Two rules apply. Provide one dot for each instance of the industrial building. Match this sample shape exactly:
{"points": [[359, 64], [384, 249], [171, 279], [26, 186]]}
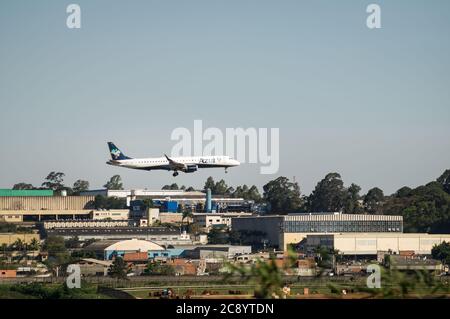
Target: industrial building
{"points": [[17, 209], [216, 251], [170, 200], [121, 248], [109, 249], [11, 238], [374, 243], [54, 224], [33, 203], [25, 192], [281, 230], [160, 235], [208, 221]]}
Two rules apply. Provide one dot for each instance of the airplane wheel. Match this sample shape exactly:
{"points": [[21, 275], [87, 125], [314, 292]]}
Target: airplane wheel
{"points": [[175, 174]]}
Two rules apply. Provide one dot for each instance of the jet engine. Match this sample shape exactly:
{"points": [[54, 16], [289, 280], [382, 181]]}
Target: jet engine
{"points": [[191, 168]]}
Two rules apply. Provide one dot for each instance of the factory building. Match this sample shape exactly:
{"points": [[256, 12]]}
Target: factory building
{"points": [[11, 238], [17, 209], [25, 192], [281, 230], [170, 200], [216, 251], [33, 203], [374, 243], [160, 235], [208, 221], [54, 224], [109, 249]]}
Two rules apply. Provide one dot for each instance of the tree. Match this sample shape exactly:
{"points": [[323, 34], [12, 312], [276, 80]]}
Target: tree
{"points": [[220, 188], [80, 186], [102, 202], [173, 186], [18, 244], [159, 268], [148, 203], [329, 195], [253, 194], [115, 183], [444, 180], [209, 184], [282, 195], [351, 202], [73, 242], [265, 275], [373, 201], [118, 268], [187, 214], [23, 186], [424, 209], [403, 192], [54, 181], [57, 251], [218, 236], [442, 252], [34, 244]]}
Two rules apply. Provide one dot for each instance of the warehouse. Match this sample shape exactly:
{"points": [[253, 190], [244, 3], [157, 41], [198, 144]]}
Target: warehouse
{"points": [[33, 203], [216, 251], [160, 235], [281, 230], [11, 238], [373, 243], [208, 221], [25, 192], [109, 249], [19, 216], [169, 200]]}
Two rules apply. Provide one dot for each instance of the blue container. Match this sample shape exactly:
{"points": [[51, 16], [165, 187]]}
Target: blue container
{"points": [[170, 206]]}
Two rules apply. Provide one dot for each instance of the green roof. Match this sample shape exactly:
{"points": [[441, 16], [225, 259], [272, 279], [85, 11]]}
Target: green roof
{"points": [[25, 192]]}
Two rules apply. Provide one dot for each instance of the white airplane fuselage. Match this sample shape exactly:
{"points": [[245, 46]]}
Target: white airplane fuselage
{"points": [[188, 163]]}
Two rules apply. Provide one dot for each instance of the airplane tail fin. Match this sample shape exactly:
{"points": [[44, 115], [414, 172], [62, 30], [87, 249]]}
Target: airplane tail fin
{"points": [[116, 154]]}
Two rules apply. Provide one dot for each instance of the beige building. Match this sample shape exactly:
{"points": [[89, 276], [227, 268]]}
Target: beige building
{"points": [[27, 203], [18, 216], [16, 209], [371, 243], [10, 238], [282, 230], [113, 214], [208, 221], [154, 216]]}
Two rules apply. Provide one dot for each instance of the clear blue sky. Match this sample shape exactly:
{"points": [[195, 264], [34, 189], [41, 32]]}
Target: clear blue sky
{"points": [[373, 105]]}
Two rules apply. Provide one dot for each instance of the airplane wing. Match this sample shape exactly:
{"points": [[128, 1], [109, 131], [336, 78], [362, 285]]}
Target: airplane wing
{"points": [[175, 165]]}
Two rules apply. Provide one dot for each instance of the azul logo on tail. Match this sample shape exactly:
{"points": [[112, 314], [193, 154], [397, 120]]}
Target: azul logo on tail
{"points": [[116, 154]]}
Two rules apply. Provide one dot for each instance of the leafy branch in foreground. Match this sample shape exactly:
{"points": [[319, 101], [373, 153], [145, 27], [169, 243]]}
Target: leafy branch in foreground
{"points": [[397, 284], [265, 275]]}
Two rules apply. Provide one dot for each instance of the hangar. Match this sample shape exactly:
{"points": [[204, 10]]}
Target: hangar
{"points": [[373, 243]]}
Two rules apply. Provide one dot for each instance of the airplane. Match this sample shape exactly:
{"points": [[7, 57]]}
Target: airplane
{"points": [[176, 164]]}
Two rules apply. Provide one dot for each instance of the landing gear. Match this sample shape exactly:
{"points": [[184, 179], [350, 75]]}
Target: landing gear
{"points": [[226, 170], [175, 174]]}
